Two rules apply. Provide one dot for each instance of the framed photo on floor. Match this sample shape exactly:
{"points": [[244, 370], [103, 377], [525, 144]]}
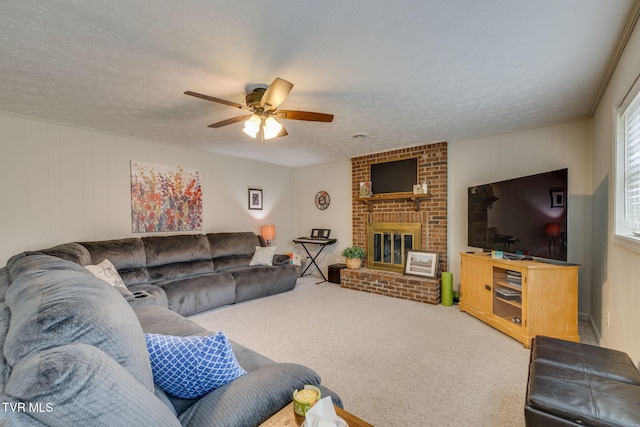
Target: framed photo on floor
{"points": [[255, 199], [419, 263]]}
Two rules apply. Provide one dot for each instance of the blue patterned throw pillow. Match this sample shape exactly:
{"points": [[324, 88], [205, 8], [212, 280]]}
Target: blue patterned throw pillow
{"points": [[190, 367]]}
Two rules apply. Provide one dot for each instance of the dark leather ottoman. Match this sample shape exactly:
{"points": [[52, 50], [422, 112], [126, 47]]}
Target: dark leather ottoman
{"points": [[573, 384]]}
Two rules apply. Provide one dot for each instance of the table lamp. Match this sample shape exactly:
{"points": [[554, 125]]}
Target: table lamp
{"points": [[268, 233]]}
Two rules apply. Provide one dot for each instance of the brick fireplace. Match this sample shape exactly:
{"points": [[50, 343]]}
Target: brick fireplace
{"points": [[431, 214]]}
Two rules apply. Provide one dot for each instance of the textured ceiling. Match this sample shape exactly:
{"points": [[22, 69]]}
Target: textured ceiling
{"points": [[404, 72]]}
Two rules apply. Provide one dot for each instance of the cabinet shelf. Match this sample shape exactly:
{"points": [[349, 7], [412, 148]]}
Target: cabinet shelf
{"points": [[416, 198], [510, 302], [506, 284]]}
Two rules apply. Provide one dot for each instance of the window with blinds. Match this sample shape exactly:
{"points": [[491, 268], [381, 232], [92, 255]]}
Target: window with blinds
{"points": [[631, 132], [627, 171]]}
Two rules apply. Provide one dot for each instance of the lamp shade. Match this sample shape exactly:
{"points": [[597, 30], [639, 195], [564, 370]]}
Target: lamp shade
{"points": [[268, 232], [271, 128], [252, 126], [552, 229]]}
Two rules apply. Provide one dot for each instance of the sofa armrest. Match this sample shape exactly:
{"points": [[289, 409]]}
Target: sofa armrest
{"points": [[251, 399], [281, 259], [147, 294]]}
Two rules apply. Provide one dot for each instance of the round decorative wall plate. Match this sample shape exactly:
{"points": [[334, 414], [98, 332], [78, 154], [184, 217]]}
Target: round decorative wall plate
{"points": [[322, 200]]}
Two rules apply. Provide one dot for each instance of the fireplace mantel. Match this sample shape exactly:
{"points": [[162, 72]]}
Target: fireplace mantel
{"points": [[416, 198]]}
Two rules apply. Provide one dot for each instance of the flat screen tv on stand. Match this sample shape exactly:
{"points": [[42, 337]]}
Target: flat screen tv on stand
{"points": [[524, 217]]}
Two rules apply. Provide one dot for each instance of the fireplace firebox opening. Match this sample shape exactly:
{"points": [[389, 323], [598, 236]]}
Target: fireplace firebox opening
{"points": [[388, 243]]}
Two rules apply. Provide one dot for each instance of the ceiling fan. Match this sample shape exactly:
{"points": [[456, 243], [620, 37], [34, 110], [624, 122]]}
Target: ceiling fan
{"points": [[263, 104]]}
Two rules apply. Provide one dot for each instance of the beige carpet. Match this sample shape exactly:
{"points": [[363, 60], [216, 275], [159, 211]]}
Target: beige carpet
{"points": [[393, 362]]}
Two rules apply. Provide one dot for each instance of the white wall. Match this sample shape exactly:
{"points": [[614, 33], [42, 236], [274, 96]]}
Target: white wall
{"points": [[335, 179], [511, 155], [616, 288], [62, 183]]}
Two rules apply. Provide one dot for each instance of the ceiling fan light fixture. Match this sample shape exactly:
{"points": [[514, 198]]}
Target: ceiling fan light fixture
{"points": [[262, 102], [252, 125], [271, 128]]}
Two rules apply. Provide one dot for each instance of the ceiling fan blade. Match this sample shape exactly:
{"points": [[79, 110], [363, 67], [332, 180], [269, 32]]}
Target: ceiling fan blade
{"points": [[275, 94], [229, 121], [282, 132], [218, 100], [304, 115]]}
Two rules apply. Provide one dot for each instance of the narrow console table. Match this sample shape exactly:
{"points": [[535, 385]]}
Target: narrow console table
{"points": [[303, 241], [521, 298]]}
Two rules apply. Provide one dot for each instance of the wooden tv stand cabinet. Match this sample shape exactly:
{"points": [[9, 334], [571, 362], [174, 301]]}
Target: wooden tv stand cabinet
{"points": [[521, 298]]}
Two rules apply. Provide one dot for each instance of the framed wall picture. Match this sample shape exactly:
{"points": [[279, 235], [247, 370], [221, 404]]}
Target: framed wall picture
{"points": [[255, 199], [165, 198], [418, 263]]}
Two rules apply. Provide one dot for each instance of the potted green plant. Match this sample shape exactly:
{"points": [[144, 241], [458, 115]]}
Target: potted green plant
{"points": [[353, 255]]}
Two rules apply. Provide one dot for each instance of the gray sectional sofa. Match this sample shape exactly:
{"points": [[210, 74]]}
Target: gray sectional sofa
{"points": [[188, 274], [73, 346]]}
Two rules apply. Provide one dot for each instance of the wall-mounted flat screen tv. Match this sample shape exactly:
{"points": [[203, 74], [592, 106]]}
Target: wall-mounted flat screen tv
{"points": [[526, 215], [398, 176]]}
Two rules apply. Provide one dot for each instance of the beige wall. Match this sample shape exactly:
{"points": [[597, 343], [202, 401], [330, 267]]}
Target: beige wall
{"points": [[616, 271], [62, 183], [335, 179], [511, 155]]}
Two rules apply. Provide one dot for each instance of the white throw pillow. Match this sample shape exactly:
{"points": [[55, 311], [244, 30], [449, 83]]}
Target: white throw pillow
{"points": [[107, 272], [263, 256]]}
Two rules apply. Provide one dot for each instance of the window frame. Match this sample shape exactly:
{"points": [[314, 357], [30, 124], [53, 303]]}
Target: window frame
{"points": [[623, 232]]}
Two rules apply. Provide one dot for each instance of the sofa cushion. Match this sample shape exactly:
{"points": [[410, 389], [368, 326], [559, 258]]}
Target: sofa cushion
{"points": [[232, 250], [79, 385], [177, 257], [162, 250], [222, 264], [127, 255], [55, 302], [200, 293], [261, 281], [232, 244], [179, 270], [263, 256], [189, 367]]}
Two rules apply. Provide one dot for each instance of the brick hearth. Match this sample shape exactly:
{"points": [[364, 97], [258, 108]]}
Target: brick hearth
{"points": [[392, 284]]}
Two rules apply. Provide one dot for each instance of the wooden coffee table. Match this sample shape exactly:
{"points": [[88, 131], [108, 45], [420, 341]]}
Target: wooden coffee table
{"points": [[286, 417]]}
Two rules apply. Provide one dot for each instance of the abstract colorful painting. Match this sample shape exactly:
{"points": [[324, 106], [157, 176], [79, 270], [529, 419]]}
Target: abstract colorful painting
{"points": [[165, 198]]}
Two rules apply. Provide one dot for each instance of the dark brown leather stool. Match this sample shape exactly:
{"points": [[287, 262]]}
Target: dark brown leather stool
{"points": [[579, 384]]}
